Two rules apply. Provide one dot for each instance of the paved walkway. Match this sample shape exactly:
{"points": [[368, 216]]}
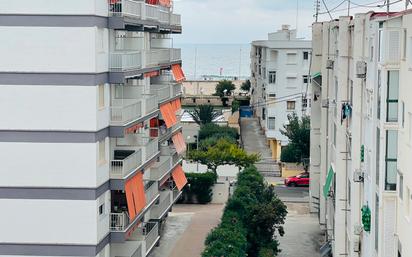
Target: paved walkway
{"points": [[186, 229], [254, 141]]}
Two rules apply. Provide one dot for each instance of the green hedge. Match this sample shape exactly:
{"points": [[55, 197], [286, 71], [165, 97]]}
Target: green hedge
{"points": [[198, 188], [289, 154], [249, 222], [214, 130]]}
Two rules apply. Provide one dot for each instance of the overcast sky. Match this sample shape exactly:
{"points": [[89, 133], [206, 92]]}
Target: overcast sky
{"points": [[242, 21]]}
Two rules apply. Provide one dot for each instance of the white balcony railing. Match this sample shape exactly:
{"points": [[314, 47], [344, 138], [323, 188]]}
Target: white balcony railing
{"points": [[175, 19], [176, 54], [119, 221], [158, 209], [177, 89], [151, 103], [124, 113], [158, 56], [159, 169], [122, 168], [123, 61], [164, 15], [152, 191], [152, 12], [148, 233], [163, 92]]}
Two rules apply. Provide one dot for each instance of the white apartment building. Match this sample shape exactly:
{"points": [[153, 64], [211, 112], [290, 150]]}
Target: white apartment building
{"points": [[280, 82], [89, 138], [360, 142]]}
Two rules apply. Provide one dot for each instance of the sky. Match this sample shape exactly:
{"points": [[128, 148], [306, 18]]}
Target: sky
{"points": [[242, 21]]}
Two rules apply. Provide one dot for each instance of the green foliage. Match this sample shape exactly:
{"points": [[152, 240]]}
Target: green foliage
{"points": [[214, 130], [223, 153], [250, 220], [246, 86], [212, 141], [298, 132], [289, 154], [235, 106], [204, 114], [199, 187], [224, 85]]}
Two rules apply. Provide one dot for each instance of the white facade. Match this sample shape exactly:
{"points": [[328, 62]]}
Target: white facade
{"points": [[280, 82], [82, 86], [363, 66]]}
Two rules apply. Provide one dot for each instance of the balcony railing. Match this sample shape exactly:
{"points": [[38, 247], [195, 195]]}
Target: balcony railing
{"points": [[121, 168], [152, 191], [127, 60], [158, 56], [177, 89], [159, 169], [176, 54], [164, 15], [166, 133], [149, 233], [119, 221], [163, 92], [175, 19], [151, 103], [158, 209], [176, 194], [125, 110]]}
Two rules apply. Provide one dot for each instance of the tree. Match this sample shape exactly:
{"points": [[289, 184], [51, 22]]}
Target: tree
{"points": [[204, 114], [235, 106], [298, 132], [223, 152], [246, 86], [224, 88]]}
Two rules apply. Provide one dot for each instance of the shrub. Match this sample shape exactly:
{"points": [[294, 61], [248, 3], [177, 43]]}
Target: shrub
{"points": [[289, 154], [199, 187], [211, 129], [235, 106]]}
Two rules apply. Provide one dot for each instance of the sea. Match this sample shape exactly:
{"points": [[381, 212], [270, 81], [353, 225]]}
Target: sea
{"points": [[215, 61]]}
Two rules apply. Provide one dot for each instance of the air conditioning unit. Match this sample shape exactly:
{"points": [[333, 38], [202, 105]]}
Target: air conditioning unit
{"points": [[329, 64], [358, 176], [361, 69]]}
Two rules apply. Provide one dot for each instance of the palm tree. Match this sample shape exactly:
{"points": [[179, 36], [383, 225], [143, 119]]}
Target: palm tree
{"points": [[204, 114]]}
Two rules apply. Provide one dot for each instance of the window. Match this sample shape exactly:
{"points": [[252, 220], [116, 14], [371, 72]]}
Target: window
{"points": [[272, 77], [378, 145], [101, 96], [376, 222], [291, 58], [392, 96], [391, 159], [102, 151], [306, 79], [401, 186], [271, 123], [305, 55], [101, 209], [290, 105]]}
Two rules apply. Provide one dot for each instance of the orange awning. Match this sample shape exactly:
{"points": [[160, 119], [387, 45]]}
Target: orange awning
{"points": [[178, 73], [179, 177], [168, 114], [179, 143], [151, 74], [135, 195], [166, 3]]}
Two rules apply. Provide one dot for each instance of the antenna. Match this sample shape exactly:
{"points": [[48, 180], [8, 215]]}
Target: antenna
{"points": [[348, 7], [317, 9]]}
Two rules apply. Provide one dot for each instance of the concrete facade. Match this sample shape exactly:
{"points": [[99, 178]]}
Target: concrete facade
{"points": [[81, 88], [280, 83], [360, 75]]}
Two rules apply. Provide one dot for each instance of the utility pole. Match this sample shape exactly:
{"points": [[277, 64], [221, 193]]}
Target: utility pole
{"points": [[317, 9]]}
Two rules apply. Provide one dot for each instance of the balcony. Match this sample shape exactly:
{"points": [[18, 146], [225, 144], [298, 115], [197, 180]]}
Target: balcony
{"points": [[159, 56], [125, 162], [138, 12], [124, 111], [166, 133], [125, 60], [148, 233], [151, 103], [151, 191], [159, 210], [161, 168]]}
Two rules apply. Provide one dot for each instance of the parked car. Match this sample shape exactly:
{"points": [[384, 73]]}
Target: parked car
{"points": [[302, 179]]}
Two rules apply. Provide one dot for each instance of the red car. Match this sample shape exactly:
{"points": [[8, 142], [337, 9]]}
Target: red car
{"points": [[299, 180]]}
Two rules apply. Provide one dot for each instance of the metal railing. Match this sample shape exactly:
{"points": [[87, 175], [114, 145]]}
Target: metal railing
{"points": [[122, 168], [177, 89], [158, 209], [161, 169], [119, 221], [176, 194], [126, 8], [152, 191], [157, 56], [151, 148], [176, 54], [152, 234], [126, 113], [164, 15], [152, 12], [125, 60]]}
